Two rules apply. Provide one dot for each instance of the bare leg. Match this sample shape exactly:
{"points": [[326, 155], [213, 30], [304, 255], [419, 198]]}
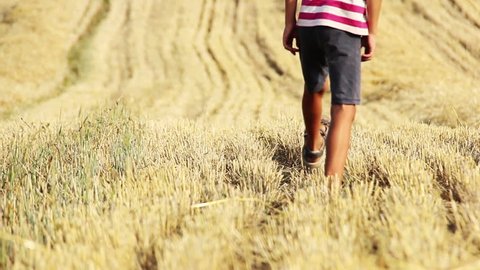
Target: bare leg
{"points": [[338, 139], [312, 116]]}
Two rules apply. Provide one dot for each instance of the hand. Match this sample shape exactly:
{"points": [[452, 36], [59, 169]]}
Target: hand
{"points": [[369, 43], [290, 34]]}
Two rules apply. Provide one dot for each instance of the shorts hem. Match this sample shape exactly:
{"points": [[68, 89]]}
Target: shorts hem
{"points": [[346, 102], [318, 88]]}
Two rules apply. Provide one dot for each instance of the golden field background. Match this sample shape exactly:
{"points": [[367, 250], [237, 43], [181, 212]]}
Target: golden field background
{"points": [[166, 134]]}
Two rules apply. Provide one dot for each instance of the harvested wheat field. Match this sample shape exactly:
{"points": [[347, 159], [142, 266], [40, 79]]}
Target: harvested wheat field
{"points": [[155, 134]]}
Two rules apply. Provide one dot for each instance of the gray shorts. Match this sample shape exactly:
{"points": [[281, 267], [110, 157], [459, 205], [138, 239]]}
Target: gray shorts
{"points": [[324, 51]]}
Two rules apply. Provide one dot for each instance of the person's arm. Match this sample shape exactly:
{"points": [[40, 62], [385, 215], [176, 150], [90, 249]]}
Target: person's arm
{"points": [[369, 42], [289, 34], [373, 12]]}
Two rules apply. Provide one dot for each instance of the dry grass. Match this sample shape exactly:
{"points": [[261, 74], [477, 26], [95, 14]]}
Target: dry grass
{"points": [[115, 192], [200, 168]]}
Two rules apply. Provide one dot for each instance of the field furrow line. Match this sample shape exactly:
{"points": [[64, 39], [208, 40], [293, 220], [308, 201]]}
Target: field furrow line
{"points": [[238, 78], [177, 34], [197, 78], [278, 87], [243, 93], [148, 65], [468, 10], [281, 69], [93, 17], [461, 58], [215, 74], [93, 14], [103, 69], [212, 50], [200, 37], [244, 34], [157, 17], [173, 98], [115, 62], [262, 77], [139, 73], [259, 95]]}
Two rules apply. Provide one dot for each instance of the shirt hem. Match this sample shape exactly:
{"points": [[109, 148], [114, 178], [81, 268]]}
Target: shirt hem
{"points": [[336, 25]]}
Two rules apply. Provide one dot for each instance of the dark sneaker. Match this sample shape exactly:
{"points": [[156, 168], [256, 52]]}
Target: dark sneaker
{"points": [[311, 159]]}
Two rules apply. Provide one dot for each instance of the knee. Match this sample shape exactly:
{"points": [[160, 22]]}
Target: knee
{"points": [[344, 107], [344, 111], [316, 91]]}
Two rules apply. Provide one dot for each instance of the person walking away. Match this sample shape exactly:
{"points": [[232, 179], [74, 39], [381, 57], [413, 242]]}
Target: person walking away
{"points": [[330, 35]]}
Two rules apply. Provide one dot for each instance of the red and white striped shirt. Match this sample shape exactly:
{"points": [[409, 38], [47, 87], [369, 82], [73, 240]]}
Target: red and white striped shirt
{"points": [[347, 15]]}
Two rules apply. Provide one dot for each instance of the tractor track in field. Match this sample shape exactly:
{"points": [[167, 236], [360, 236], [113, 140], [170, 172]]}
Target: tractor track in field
{"points": [[92, 15], [215, 60], [462, 56], [467, 13], [145, 52], [218, 72], [213, 51]]}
